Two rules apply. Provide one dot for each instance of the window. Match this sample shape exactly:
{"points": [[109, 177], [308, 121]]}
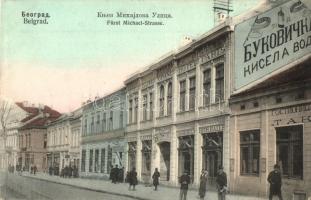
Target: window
{"points": [[45, 141], [96, 169], [85, 127], [104, 123], [219, 81], [102, 160], [278, 99], [136, 110], [98, 123], [91, 161], [144, 107], [182, 95], [121, 118], [207, 87], [242, 107], [161, 113], [256, 104], [151, 106], [250, 152], [130, 111], [169, 98], [192, 93], [111, 120], [83, 161], [290, 150], [92, 125], [109, 159]]}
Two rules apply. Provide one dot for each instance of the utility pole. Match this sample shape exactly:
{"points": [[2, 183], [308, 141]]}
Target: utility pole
{"points": [[222, 9]]}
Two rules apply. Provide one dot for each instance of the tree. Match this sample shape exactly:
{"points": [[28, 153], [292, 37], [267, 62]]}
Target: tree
{"points": [[5, 109]]}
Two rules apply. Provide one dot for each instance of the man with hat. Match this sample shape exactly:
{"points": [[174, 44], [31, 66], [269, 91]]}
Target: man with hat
{"points": [[221, 183], [275, 180], [184, 182]]}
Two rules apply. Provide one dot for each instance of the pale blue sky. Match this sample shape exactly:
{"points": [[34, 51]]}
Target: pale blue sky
{"points": [[75, 39]]}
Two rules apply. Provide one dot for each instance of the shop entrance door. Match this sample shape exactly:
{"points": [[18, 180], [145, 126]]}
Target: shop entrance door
{"points": [[165, 149]]}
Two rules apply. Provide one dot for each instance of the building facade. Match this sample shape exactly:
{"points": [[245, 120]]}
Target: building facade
{"points": [[102, 141], [33, 138], [63, 136], [270, 102], [271, 124], [178, 111]]}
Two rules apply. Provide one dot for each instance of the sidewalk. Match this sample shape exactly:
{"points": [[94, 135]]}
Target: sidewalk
{"points": [[142, 192]]}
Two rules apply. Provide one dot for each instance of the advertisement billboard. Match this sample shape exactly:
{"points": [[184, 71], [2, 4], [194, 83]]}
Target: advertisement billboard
{"points": [[271, 40]]}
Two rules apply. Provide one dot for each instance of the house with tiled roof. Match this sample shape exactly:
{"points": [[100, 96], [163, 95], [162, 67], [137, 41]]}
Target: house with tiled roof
{"points": [[33, 136]]}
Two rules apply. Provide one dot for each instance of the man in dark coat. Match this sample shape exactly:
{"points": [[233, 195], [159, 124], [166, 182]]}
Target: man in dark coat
{"points": [[203, 184], [155, 177], [133, 178], [184, 182], [114, 174], [221, 183], [275, 180]]}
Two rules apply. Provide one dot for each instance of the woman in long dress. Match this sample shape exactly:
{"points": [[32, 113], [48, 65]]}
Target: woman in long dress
{"points": [[155, 178]]}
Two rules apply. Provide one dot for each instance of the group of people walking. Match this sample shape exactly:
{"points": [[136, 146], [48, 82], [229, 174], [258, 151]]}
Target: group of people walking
{"points": [[117, 174]]}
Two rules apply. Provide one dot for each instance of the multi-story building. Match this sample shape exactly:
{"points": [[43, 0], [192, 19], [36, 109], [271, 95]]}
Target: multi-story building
{"points": [[178, 112], [33, 138], [102, 141], [63, 141], [16, 113], [270, 120], [19, 114]]}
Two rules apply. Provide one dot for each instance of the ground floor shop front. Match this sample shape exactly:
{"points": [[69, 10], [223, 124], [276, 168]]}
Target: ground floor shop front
{"points": [[27, 159], [268, 128], [98, 158], [174, 149], [58, 160]]}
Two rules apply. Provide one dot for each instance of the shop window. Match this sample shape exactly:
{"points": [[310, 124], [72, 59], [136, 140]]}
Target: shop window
{"points": [[102, 160], [83, 157], [109, 160], [130, 111], [96, 166], [169, 98], [144, 107], [192, 93], [250, 152], [289, 142], [219, 81], [207, 86], [182, 95], [161, 113], [186, 155], [146, 157], [91, 161]]}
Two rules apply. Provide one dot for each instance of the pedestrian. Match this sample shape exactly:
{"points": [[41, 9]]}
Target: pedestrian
{"points": [[275, 180], [133, 179], [31, 169], [121, 175], [114, 174], [127, 177], [203, 184], [155, 177], [34, 169], [184, 182], [221, 183], [70, 171]]}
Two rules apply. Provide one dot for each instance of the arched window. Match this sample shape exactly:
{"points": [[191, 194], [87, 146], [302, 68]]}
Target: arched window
{"points": [[161, 101], [169, 98]]}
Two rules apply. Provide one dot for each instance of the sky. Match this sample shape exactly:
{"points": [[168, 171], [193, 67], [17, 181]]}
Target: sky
{"points": [[78, 56]]}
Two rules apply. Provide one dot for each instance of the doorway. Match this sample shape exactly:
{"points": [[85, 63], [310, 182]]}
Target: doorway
{"points": [[165, 149], [212, 155]]}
